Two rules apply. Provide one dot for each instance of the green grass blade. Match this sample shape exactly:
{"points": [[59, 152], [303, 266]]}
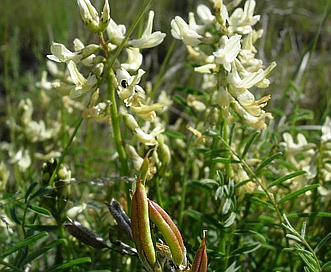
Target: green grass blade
{"points": [[297, 193], [69, 264], [24, 243], [39, 252], [322, 242]]}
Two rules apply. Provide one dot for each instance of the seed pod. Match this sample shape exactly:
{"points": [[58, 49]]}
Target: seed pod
{"points": [[85, 235], [121, 218], [140, 226], [200, 261], [169, 231]]}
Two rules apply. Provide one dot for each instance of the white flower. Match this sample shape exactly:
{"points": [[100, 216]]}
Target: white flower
{"points": [[205, 14], [257, 122], [242, 20], [149, 139], [301, 145], [81, 84], [228, 51], [62, 54], [148, 39], [136, 159], [243, 79], [134, 59], [91, 17], [44, 84], [116, 33], [182, 31], [326, 130], [206, 69], [128, 89]]}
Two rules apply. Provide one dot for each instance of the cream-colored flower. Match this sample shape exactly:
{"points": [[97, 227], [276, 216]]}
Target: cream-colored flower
{"points": [[326, 130], [228, 51], [134, 59], [91, 17], [182, 31], [242, 20], [115, 32], [81, 85], [128, 89], [149, 139], [148, 39]]}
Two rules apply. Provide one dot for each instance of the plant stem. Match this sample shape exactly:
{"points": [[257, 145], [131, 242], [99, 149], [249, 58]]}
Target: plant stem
{"points": [[124, 170]]}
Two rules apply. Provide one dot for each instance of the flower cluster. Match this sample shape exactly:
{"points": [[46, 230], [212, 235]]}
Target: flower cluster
{"points": [[312, 158], [222, 48], [125, 76], [29, 134]]}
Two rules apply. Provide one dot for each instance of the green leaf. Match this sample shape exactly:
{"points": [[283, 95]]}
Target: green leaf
{"points": [[246, 249], [311, 214], [230, 220], [40, 210], [174, 134], [225, 160], [249, 143], [24, 243], [14, 216], [190, 91], [44, 190], [327, 265], [47, 228], [29, 190], [42, 250], [182, 102], [262, 203], [297, 193], [287, 177], [69, 264], [322, 242], [267, 161]]}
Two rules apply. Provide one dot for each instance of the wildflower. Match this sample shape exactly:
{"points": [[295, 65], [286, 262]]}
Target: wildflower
{"points": [[128, 89], [134, 59], [242, 20], [205, 14], [148, 39], [116, 33], [62, 54], [95, 111], [4, 176], [143, 137], [228, 51], [81, 84], [326, 130], [91, 17], [182, 31]]}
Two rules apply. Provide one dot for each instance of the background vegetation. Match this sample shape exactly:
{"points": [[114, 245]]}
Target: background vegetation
{"points": [[297, 36]]}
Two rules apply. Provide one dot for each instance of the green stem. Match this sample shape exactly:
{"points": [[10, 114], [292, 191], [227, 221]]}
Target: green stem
{"points": [[65, 151], [116, 129]]}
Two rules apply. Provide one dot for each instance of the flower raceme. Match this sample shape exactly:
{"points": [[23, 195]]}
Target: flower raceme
{"points": [[222, 47]]}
